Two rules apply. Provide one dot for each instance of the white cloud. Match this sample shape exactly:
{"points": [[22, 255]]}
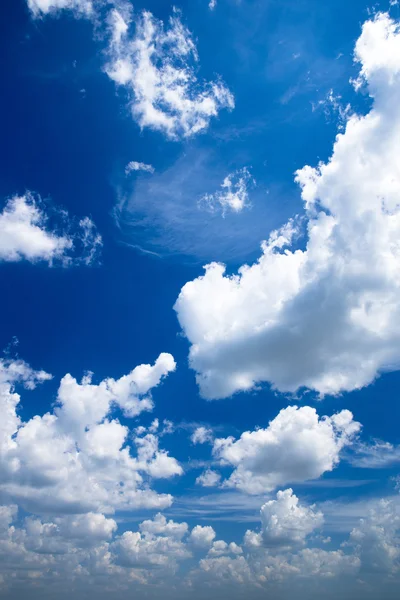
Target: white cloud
{"points": [[285, 522], [7, 516], [156, 65], [376, 455], [159, 543], [138, 166], [76, 459], [221, 548], [209, 478], [160, 526], [39, 7], [212, 4], [296, 446], [324, 317], [376, 539], [202, 537], [24, 235], [233, 194], [202, 435]]}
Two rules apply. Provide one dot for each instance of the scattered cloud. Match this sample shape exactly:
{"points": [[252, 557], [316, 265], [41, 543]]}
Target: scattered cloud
{"points": [[40, 7], [209, 478], [157, 67], [25, 234], [202, 537], [322, 317], [202, 435], [138, 166], [296, 446], [285, 522], [233, 194], [375, 455], [76, 458]]}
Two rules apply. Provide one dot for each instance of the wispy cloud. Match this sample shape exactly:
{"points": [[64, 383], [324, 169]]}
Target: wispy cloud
{"points": [[138, 166], [233, 194], [157, 67]]}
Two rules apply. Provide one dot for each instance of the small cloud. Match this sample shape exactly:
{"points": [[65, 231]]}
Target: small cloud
{"points": [[31, 231], [138, 166], [233, 194], [208, 478]]}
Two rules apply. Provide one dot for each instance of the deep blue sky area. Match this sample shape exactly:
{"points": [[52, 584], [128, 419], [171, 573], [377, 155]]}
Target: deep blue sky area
{"points": [[67, 134]]}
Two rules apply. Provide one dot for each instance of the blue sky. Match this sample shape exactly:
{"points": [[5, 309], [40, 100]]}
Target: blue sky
{"points": [[253, 407]]}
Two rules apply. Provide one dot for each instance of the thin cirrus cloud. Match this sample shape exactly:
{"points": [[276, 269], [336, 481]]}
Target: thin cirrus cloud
{"points": [[323, 317], [25, 234]]}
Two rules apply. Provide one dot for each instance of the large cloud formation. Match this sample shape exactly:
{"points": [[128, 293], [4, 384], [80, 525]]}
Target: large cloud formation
{"points": [[76, 459], [296, 446], [324, 317]]}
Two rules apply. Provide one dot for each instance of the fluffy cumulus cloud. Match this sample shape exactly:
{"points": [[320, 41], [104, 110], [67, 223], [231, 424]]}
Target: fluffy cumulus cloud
{"points": [[376, 539], [233, 195], [285, 522], [76, 458], [25, 234], [89, 549], [296, 446], [324, 317], [208, 478], [43, 7], [157, 66], [202, 435], [202, 537]]}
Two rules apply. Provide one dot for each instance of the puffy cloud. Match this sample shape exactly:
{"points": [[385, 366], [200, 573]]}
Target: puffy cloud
{"points": [[7, 516], [296, 446], [24, 235], [76, 459], [156, 65], [63, 534], [326, 316], [209, 478], [159, 543], [376, 539], [285, 522], [233, 194], [138, 166], [227, 570], [202, 435], [160, 526], [39, 7], [202, 537], [221, 548]]}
